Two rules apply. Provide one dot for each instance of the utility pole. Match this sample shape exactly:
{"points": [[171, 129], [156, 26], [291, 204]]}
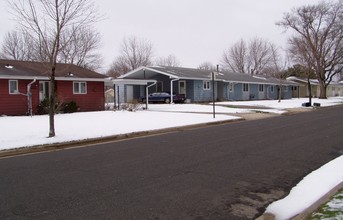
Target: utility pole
{"points": [[213, 98]]}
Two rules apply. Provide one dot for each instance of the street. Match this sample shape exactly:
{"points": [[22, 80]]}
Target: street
{"points": [[227, 171]]}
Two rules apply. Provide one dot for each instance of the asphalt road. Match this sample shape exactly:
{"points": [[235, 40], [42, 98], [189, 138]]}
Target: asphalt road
{"points": [[229, 171]]}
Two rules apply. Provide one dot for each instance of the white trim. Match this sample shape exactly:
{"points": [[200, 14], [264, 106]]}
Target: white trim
{"points": [[133, 81], [15, 92], [79, 87], [147, 68], [131, 72], [164, 73], [206, 85], [243, 87]]}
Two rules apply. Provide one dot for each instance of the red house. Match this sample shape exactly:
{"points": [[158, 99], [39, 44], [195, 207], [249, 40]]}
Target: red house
{"points": [[20, 80]]}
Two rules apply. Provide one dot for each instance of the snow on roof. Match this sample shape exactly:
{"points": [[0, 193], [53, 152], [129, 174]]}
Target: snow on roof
{"points": [[199, 74], [28, 70]]}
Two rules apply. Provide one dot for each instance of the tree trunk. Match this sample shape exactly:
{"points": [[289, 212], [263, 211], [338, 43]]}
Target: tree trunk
{"points": [[309, 88], [280, 91], [52, 104], [321, 81], [322, 87]]}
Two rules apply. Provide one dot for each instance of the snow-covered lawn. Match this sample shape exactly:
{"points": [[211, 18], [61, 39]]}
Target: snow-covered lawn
{"points": [[196, 108], [27, 131], [286, 104]]}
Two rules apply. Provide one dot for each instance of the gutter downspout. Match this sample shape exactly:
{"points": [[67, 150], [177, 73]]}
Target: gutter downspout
{"points": [[171, 90], [29, 96], [147, 94]]}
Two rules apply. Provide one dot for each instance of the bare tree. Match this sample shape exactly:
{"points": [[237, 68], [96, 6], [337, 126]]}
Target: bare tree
{"points": [[250, 58], [301, 54], [118, 67], [17, 45], [207, 66], [81, 48], [134, 53], [46, 21], [170, 60], [260, 55], [319, 30], [236, 58], [278, 68]]}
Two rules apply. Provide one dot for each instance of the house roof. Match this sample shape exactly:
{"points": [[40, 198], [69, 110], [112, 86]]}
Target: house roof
{"points": [[312, 81], [14, 69], [198, 74]]}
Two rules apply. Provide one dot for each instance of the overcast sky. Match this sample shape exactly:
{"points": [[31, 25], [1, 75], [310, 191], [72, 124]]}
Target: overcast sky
{"points": [[193, 30]]}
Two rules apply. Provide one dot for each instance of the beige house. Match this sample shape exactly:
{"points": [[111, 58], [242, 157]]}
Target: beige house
{"points": [[334, 89], [109, 96]]}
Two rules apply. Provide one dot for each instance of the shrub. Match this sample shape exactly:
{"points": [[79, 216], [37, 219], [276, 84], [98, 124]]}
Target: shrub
{"points": [[43, 107], [70, 107], [60, 107]]}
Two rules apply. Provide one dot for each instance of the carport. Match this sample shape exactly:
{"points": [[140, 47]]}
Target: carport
{"points": [[140, 82]]}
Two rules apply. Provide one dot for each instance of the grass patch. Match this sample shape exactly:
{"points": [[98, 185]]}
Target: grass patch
{"points": [[332, 210]]}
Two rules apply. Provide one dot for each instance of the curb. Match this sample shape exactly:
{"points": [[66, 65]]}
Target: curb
{"points": [[308, 211]]}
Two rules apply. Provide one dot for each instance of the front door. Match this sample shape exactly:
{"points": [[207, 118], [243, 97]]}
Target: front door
{"points": [[182, 87], [129, 94], [43, 90]]}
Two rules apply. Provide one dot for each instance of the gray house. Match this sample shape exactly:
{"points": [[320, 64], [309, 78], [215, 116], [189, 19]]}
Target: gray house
{"points": [[197, 85]]}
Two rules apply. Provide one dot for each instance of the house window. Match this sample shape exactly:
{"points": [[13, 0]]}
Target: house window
{"points": [[206, 85], [272, 89], [13, 87], [43, 90], [260, 88], [285, 88], [245, 87], [80, 87], [182, 87]]}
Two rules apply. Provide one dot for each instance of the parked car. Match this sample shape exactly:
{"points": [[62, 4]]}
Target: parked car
{"points": [[163, 97]]}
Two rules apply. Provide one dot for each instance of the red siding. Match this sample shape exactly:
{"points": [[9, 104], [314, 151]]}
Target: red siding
{"points": [[94, 100], [17, 104]]}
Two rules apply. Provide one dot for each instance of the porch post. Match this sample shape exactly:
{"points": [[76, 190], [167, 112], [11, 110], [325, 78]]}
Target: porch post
{"points": [[118, 97], [146, 97], [171, 90], [147, 93]]}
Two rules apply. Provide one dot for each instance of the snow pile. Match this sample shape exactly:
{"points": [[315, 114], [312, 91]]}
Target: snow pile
{"points": [[309, 190]]}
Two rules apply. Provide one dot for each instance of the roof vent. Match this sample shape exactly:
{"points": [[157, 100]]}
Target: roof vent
{"points": [[70, 74], [9, 66]]}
